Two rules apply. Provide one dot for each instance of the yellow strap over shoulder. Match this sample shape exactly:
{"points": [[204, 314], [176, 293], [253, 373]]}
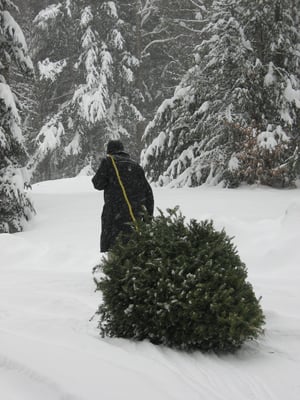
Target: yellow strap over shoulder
{"points": [[123, 190]]}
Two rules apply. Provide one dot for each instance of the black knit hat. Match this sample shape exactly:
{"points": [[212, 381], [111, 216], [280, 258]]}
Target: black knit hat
{"points": [[114, 146]]}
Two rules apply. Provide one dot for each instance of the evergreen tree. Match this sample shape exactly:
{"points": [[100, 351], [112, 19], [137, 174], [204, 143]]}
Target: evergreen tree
{"points": [[26, 89], [154, 49], [166, 33], [272, 157], [179, 285], [166, 39], [88, 77], [235, 115], [15, 206]]}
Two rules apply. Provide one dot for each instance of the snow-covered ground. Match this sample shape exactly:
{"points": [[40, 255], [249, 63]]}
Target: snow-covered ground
{"points": [[50, 351]]}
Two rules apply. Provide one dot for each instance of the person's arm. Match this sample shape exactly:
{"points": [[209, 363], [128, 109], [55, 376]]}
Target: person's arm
{"points": [[100, 179]]}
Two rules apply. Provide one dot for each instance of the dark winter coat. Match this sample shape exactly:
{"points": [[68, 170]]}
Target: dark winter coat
{"points": [[115, 214]]}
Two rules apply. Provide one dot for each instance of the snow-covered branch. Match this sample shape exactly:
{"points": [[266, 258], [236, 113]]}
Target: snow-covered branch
{"points": [[161, 41]]}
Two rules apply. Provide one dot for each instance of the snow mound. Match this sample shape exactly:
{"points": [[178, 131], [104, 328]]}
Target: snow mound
{"points": [[87, 171], [79, 184]]}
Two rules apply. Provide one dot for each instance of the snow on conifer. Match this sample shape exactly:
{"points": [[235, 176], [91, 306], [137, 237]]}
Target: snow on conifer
{"points": [[86, 82], [235, 115], [15, 206]]}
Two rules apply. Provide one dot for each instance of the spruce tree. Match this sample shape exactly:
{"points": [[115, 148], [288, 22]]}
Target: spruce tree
{"points": [[272, 158], [149, 43], [180, 285], [15, 206], [234, 116], [165, 37], [24, 86], [88, 76]]}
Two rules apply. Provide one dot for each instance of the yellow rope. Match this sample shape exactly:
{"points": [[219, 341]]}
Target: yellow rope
{"points": [[124, 191]]}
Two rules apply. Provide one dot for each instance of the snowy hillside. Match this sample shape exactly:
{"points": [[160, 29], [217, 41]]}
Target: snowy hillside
{"points": [[50, 351]]}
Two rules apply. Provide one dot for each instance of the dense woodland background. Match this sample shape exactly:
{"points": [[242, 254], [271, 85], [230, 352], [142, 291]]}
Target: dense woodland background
{"points": [[200, 91]]}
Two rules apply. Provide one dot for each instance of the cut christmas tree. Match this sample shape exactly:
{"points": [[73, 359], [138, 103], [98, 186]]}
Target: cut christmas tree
{"points": [[180, 285]]}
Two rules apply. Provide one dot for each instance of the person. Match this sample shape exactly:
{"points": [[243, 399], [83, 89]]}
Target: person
{"points": [[116, 215]]}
